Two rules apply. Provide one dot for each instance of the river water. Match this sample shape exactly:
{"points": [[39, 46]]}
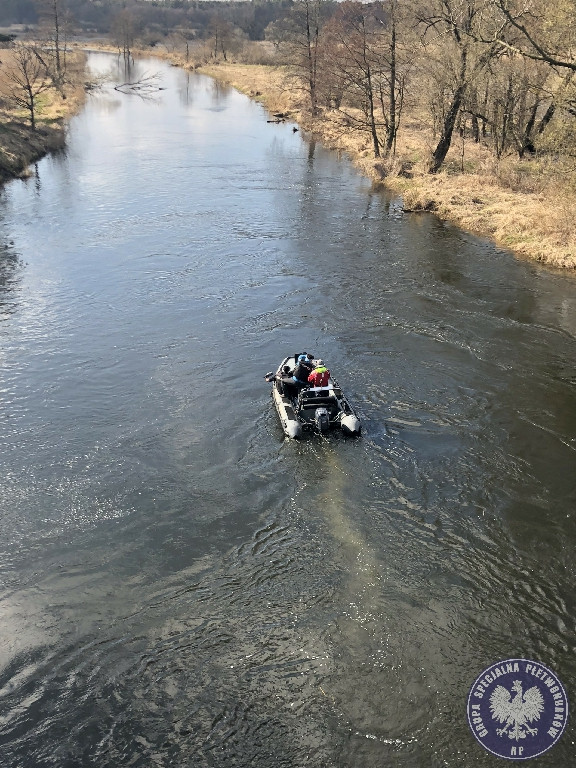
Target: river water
{"points": [[180, 585]]}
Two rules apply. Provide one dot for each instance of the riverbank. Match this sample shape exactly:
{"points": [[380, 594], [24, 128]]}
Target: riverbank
{"points": [[20, 146], [526, 206]]}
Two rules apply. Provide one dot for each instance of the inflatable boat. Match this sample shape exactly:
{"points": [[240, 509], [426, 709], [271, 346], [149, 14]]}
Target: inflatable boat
{"points": [[309, 408]]}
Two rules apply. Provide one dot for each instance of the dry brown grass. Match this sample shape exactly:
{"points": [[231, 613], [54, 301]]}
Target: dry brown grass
{"points": [[517, 203], [521, 205], [52, 105]]}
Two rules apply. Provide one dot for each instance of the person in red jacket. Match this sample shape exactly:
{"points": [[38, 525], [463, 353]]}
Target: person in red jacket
{"points": [[320, 375]]}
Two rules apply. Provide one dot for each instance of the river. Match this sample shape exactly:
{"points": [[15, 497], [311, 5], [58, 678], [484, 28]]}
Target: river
{"points": [[179, 584]]}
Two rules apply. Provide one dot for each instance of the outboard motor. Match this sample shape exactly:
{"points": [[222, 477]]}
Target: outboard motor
{"points": [[350, 425], [322, 419]]}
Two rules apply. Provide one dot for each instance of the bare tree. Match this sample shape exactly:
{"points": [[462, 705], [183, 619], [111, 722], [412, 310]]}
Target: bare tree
{"points": [[123, 30], [398, 57], [145, 87], [544, 34], [25, 79], [453, 27], [223, 37], [515, 103], [298, 35], [53, 30], [538, 30], [352, 52]]}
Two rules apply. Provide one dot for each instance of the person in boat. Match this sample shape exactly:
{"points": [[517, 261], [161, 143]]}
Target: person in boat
{"points": [[284, 379], [286, 383], [320, 375], [301, 372]]}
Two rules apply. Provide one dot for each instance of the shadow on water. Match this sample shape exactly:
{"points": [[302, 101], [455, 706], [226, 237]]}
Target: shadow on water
{"points": [[10, 279]]}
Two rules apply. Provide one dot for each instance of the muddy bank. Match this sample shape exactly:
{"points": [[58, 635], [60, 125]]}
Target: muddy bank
{"points": [[523, 206], [20, 146]]}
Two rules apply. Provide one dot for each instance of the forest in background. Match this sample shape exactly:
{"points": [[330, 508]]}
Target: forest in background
{"points": [[153, 20], [480, 89]]}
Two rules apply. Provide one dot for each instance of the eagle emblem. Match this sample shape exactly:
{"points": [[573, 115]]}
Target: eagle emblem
{"points": [[516, 712]]}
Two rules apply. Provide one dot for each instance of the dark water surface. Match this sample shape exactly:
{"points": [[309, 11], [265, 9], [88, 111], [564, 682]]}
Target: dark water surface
{"points": [[180, 586]]}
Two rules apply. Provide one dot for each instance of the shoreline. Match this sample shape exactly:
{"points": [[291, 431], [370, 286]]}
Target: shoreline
{"points": [[20, 146], [533, 224], [530, 222]]}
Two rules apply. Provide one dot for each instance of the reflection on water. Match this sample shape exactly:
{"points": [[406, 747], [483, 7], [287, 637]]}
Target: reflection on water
{"points": [[182, 586], [10, 266]]}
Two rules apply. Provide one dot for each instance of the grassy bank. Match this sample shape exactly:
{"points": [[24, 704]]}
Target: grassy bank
{"points": [[526, 206], [19, 144]]}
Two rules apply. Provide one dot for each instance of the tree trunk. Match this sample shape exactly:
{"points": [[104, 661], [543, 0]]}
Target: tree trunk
{"points": [[373, 131], [31, 109], [475, 129], [312, 45], [439, 154], [548, 115], [527, 141], [391, 138], [370, 96], [57, 39]]}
